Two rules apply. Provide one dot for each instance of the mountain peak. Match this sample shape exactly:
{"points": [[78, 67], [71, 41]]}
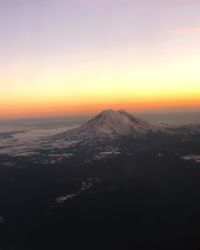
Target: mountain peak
{"points": [[111, 112], [122, 111], [107, 111], [111, 124]]}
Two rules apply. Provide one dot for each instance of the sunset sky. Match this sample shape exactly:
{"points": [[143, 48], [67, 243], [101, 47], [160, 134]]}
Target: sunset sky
{"points": [[80, 56]]}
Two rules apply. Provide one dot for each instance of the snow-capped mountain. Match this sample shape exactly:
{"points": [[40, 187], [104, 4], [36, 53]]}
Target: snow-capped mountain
{"points": [[109, 134], [110, 124]]}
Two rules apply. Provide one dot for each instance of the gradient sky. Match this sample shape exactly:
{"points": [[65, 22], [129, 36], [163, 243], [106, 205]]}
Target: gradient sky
{"points": [[80, 56]]}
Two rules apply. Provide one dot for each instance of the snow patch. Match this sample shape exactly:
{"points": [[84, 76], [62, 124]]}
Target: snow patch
{"points": [[62, 199], [86, 185], [195, 158], [106, 154]]}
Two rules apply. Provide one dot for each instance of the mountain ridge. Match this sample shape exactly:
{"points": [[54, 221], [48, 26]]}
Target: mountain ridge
{"points": [[111, 124]]}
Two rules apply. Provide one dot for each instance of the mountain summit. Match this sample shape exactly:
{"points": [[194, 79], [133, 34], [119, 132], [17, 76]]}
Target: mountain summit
{"points": [[110, 124]]}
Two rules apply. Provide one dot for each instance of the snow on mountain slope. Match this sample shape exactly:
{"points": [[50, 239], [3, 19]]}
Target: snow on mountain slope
{"points": [[110, 124]]}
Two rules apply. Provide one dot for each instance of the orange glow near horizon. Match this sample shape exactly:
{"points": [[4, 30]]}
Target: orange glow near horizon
{"points": [[36, 110], [87, 88]]}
